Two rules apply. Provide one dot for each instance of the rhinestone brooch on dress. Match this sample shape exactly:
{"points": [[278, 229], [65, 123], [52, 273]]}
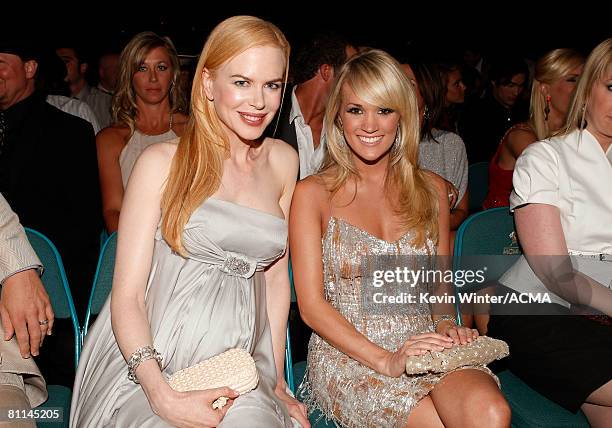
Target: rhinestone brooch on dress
{"points": [[236, 266]]}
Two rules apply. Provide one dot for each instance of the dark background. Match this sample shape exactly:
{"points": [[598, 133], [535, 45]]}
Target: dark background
{"points": [[435, 28]]}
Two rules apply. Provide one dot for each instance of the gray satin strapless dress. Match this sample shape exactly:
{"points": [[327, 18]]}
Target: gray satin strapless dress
{"points": [[198, 306]]}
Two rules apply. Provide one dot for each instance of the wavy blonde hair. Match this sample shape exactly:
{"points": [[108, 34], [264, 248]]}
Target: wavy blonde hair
{"points": [[551, 67], [378, 79], [197, 167], [124, 108], [596, 66]]}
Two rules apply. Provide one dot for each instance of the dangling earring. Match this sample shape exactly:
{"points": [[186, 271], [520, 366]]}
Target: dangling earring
{"points": [[395, 148], [426, 113], [547, 107]]}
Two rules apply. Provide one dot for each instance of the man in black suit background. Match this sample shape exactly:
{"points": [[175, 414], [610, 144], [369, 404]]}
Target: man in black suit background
{"points": [[49, 176]]}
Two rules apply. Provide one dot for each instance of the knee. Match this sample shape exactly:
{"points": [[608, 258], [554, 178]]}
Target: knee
{"points": [[491, 411]]}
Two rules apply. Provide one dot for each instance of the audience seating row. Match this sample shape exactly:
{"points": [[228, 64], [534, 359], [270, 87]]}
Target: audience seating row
{"points": [[489, 232]]}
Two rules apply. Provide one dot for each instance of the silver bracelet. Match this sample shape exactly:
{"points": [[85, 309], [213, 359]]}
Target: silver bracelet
{"points": [[444, 318], [138, 356]]}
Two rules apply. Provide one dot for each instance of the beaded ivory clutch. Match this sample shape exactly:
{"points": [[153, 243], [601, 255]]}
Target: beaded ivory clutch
{"points": [[480, 352], [234, 368]]}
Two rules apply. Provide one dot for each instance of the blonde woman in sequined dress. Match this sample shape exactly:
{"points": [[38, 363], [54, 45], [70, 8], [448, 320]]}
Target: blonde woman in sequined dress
{"points": [[369, 199]]}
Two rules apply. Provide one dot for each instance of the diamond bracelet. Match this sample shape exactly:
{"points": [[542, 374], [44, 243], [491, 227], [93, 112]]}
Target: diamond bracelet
{"points": [[138, 356], [444, 318]]}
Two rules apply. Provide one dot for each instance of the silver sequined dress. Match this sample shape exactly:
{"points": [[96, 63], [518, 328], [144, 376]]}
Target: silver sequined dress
{"points": [[346, 391]]}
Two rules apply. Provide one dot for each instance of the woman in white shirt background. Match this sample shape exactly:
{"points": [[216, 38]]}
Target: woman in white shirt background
{"points": [[562, 205]]}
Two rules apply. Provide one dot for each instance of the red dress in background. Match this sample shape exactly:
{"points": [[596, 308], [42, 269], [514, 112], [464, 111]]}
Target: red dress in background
{"points": [[500, 184], [500, 180]]}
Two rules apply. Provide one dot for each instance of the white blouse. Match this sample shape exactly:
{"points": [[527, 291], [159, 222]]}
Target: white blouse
{"points": [[573, 173]]}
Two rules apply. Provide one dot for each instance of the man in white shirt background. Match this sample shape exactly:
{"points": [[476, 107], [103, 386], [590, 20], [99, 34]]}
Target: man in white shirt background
{"points": [[300, 125], [76, 67]]}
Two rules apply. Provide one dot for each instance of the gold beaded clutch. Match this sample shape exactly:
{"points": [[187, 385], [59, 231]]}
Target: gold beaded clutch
{"points": [[234, 368], [479, 352]]}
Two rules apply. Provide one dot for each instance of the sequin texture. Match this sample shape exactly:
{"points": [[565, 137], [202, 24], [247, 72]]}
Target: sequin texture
{"points": [[344, 390]]}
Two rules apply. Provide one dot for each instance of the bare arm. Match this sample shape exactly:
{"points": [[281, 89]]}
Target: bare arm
{"points": [[109, 143], [137, 226], [541, 235], [459, 213], [517, 140], [278, 289], [306, 258], [134, 254]]}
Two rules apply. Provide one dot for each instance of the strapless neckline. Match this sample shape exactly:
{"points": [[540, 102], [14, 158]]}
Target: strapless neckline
{"points": [[338, 220], [239, 206]]}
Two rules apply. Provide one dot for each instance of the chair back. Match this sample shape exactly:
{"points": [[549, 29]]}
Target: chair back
{"points": [[288, 359], [103, 280], [56, 283], [487, 233], [487, 243]]}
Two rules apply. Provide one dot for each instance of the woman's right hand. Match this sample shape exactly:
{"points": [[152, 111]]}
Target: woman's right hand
{"points": [[394, 364], [193, 409]]}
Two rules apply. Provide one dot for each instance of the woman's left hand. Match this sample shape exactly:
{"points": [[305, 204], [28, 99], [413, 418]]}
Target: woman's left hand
{"points": [[460, 335], [296, 409]]}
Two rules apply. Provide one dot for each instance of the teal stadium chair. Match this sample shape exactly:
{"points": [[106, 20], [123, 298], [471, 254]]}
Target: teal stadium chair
{"points": [[478, 185], [103, 280], [56, 284], [491, 232]]}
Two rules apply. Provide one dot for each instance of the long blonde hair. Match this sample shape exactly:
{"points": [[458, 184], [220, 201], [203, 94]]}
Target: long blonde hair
{"points": [[597, 64], [551, 67], [197, 167], [124, 108], [378, 79]]}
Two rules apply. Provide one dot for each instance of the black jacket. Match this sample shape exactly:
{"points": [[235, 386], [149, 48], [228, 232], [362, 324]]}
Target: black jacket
{"points": [[49, 176]]}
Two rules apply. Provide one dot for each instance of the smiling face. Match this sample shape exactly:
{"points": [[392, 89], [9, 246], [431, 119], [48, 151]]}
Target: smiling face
{"points": [[16, 79], [246, 90], [369, 130], [153, 77]]}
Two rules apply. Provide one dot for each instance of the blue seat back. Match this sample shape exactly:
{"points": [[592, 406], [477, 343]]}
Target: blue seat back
{"points": [[103, 279], [288, 359], [487, 233], [56, 283]]}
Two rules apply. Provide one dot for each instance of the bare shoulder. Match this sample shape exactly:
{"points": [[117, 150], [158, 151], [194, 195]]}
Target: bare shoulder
{"points": [[158, 156], [115, 135], [521, 136], [280, 150], [282, 157], [435, 179], [312, 188], [518, 139]]}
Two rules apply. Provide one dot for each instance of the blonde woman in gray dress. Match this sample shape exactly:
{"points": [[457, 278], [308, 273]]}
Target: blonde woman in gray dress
{"points": [[371, 199], [146, 110]]}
